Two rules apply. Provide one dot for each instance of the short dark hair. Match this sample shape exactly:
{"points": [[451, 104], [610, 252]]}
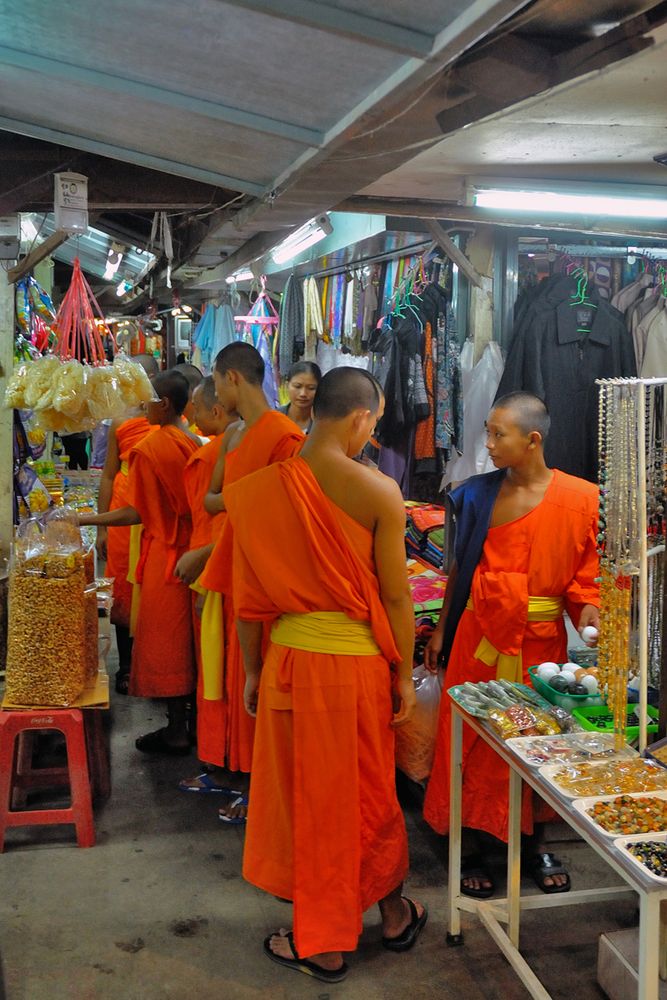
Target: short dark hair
{"points": [[173, 385], [343, 390], [207, 392], [193, 374], [530, 412], [242, 358], [305, 368]]}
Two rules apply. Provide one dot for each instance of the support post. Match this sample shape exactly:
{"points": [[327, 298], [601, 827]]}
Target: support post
{"points": [[6, 418], [447, 244]]}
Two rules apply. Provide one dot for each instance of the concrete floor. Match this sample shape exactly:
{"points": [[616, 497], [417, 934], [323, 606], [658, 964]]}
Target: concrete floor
{"points": [[158, 909]]}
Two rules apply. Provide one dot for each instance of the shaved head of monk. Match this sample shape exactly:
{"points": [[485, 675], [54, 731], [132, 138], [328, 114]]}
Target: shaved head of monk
{"points": [[239, 374], [174, 394], [344, 390], [515, 431], [209, 416], [193, 375], [528, 412], [148, 363], [242, 358], [348, 404]]}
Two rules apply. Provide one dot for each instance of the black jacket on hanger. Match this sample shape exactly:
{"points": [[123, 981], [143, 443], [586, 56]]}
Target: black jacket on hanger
{"points": [[549, 357]]}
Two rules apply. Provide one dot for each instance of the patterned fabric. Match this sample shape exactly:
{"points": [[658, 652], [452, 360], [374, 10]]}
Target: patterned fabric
{"points": [[291, 335], [312, 318], [425, 436], [449, 398]]}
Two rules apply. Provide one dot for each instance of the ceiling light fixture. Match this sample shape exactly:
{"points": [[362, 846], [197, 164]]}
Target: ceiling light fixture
{"points": [[243, 275], [123, 287], [574, 203], [305, 237], [114, 257]]}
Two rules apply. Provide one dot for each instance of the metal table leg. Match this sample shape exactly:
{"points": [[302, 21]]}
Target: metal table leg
{"points": [[649, 946], [514, 858], [455, 792]]}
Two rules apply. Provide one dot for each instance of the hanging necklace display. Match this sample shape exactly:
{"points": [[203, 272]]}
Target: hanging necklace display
{"points": [[631, 440]]}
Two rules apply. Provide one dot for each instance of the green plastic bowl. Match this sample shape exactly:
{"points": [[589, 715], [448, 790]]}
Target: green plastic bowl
{"points": [[567, 701]]}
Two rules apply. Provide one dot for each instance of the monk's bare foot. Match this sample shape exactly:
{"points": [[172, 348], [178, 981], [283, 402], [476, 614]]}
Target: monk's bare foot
{"points": [[548, 871], [393, 924], [281, 945], [236, 810], [475, 879]]}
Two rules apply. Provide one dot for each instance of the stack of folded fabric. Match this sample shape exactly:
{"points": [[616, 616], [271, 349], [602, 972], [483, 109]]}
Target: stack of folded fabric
{"points": [[428, 592], [424, 532]]}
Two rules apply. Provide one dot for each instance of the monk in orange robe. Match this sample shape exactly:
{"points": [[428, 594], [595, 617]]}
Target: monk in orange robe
{"points": [[265, 436], [210, 418], [162, 656], [342, 620], [114, 548], [523, 531], [194, 378]]}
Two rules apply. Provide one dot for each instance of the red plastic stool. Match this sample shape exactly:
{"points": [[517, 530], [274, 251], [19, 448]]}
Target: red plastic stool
{"points": [[17, 775]]}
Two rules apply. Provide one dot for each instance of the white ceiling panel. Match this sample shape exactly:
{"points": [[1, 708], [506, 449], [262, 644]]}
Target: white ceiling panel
{"points": [[606, 126], [139, 125], [206, 48]]}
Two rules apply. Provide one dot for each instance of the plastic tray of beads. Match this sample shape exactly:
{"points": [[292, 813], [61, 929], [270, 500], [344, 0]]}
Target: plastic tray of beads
{"points": [[584, 806], [569, 748], [613, 777], [624, 843]]}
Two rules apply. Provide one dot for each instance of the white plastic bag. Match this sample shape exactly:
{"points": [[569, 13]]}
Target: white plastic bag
{"points": [[415, 741], [479, 385]]}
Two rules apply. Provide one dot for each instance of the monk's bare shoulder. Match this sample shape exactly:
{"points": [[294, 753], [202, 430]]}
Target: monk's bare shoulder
{"points": [[379, 491]]}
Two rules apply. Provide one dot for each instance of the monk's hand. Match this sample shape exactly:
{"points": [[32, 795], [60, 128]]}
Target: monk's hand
{"points": [[101, 544], [404, 692], [250, 694], [590, 616], [190, 565], [433, 650]]}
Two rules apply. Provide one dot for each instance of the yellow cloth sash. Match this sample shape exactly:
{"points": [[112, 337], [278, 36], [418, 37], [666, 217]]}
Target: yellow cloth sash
{"points": [[325, 632], [125, 468], [135, 554], [212, 645], [510, 668]]}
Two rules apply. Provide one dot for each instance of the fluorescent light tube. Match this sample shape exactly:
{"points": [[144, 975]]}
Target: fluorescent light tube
{"points": [[302, 239], [245, 275], [552, 202]]}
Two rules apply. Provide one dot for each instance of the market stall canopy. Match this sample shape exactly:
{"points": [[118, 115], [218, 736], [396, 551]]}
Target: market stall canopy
{"points": [[604, 128], [288, 107], [246, 96]]}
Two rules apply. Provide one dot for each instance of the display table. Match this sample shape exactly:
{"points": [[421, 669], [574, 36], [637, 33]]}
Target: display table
{"points": [[501, 917]]}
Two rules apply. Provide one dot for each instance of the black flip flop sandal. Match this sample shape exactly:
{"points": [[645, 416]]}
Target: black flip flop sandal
{"points": [[156, 743], [303, 964], [543, 866], [122, 684], [407, 937], [474, 867]]}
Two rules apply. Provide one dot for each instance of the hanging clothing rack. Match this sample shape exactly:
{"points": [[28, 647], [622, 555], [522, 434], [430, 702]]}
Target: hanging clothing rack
{"points": [[416, 249]]}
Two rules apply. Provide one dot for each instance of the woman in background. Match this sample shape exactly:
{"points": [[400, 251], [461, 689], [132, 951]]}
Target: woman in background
{"points": [[303, 379]]}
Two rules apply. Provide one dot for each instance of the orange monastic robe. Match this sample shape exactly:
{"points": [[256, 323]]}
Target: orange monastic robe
{"points": [[162, 655], [211, 715], [549, 552], [128, 434], [324, 825], [272, 439]]}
